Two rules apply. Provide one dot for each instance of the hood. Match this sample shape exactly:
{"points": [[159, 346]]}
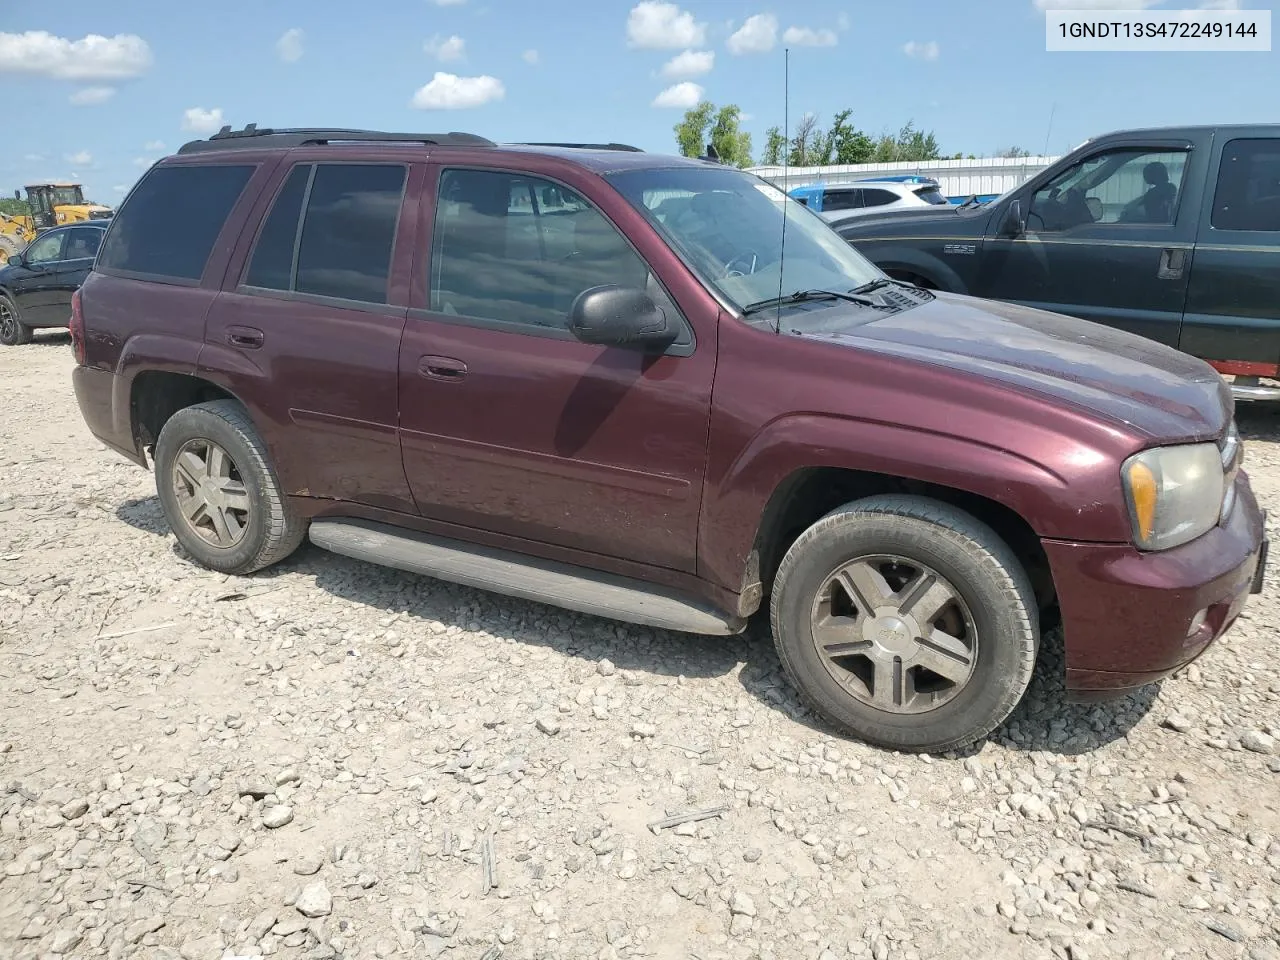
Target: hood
{"points": [[916, 216], [1162, 392]]}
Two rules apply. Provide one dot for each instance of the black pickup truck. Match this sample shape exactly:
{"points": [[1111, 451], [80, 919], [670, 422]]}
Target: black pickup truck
{"points": [[1170, 233]]}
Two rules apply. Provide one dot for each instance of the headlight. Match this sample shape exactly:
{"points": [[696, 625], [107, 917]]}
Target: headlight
{"points": [[1175, 493]]}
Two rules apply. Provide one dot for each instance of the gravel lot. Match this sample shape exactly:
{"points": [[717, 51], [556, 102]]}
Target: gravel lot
{"points": [[330, 759]]}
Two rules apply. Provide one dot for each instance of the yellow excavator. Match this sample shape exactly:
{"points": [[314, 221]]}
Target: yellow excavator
{"points": [[51, 205]]}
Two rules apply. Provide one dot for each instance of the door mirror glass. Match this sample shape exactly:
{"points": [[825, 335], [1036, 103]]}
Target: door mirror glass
{"points": [[619, 316], [1013, 224]]}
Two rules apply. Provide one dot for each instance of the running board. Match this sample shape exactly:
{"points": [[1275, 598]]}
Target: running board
{"points": [[543, 581]]}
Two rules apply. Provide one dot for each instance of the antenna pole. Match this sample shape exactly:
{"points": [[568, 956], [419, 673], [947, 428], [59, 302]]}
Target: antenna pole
{"points": [[1052, 109], [786, 150]]}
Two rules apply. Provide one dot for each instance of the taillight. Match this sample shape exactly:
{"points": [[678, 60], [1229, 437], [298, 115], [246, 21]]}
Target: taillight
{"points": [[77, 328]]}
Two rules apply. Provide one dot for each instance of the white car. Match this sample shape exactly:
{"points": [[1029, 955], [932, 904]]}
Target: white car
{"points": [[836, 201]]}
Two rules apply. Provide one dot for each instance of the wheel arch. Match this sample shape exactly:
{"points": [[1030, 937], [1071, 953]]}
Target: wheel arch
{"points": [[156, 395]]}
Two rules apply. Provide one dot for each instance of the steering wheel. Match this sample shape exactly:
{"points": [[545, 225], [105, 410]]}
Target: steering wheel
{"points": [[749, 259]]}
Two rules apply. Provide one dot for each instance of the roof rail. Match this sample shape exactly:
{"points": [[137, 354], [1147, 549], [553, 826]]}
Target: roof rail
{"points": [[255, 137], [625, 147]]}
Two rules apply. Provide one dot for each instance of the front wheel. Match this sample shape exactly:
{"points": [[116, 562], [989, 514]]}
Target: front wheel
{"points": [[219, 492], [13, 332], [906, 623]]}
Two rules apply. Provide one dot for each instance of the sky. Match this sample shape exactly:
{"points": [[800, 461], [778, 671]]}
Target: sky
{"points": [[97, 91]]}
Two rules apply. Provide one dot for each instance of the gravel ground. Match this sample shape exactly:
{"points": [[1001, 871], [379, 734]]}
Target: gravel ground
{"points": [[331, 759]]}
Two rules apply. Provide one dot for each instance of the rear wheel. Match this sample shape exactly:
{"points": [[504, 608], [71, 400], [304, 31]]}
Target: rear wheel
{"points": [[906, 623], [13, 331], [219, 492]]}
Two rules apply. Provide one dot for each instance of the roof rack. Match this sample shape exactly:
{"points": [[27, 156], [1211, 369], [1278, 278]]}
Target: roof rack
{"points": [[255, 137], [625, 147]]}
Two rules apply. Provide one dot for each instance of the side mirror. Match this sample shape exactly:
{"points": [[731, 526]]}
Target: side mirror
{"points": [[1014, 224], [14, 260], [620, 317]]}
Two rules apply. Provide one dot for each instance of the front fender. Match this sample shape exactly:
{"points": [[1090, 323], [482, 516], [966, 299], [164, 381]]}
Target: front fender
{"points": [[888, 256], [1048, 501]]}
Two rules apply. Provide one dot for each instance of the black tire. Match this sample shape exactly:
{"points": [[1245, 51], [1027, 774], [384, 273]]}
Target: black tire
{"points": [[979, 565], [13, 332], [272, 531]]}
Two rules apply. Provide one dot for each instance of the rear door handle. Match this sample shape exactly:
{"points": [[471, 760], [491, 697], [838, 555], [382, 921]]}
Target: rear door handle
{"points": [[442, 368], [250, 338], [1173, 261]]}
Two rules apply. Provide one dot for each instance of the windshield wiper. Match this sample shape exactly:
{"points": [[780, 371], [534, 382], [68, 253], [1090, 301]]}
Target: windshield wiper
{"points": [[800, 296], [873, 285]]}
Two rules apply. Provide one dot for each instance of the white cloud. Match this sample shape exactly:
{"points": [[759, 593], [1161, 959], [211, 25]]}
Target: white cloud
{"points": [[530, 57], [656, 25], [447, 91], [842, 21], [34, 157], [921, 49], [448, 49], [289, 46], [200, 120], [143, 162], [691, 63], [92, 96], [809, 37], [757, 35], [682, 96], [1220, 5], [1094, 4], [81, 159], [120, 188], [92, 57], [448, 3], [152, 146]]}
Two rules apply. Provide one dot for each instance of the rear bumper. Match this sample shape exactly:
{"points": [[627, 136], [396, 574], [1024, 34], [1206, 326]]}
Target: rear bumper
{"points": [[1132, 618], [94, 393]]}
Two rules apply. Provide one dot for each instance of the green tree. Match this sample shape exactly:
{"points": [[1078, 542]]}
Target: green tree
{"points": [[849, 144], [774, 145], [691, 132], [1013, 152], [14, 208], [733, 145], [910, 144]]}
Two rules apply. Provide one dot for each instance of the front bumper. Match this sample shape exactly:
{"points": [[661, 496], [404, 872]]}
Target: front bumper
{"points": [[1131, 618]]}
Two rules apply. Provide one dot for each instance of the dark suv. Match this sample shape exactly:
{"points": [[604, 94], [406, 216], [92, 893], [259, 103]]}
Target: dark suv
{"points": [[612, 381]]}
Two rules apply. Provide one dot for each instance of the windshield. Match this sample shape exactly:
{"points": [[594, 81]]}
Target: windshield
{"points": [[728, 226]]}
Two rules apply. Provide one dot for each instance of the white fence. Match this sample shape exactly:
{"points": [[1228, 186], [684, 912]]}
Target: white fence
{"points": [[958, 178]]}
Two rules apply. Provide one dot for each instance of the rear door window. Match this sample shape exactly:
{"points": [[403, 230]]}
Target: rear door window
{"points": [[83, 243], [931, 195], [169, 224], [1247, 196], [348, 228], [877, 198]]}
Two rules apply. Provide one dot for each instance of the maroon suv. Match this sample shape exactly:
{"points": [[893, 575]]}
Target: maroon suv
{"points": [[657, 390]]}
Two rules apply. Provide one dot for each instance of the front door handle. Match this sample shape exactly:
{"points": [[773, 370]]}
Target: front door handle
{"points": [[1173, 261], [248, 338], [442, 368]]}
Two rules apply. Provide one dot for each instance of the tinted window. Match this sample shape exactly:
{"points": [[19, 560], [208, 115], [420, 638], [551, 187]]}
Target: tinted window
{"points": [[500, 255], [349, 230], [83, 243], [840, 200], [1248, 192], [931, 195], [170, 222], [272, 264], [877, 198], [46, 249], [1117, 186]]}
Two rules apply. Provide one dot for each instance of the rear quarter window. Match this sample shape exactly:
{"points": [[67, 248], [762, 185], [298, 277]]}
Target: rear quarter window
{"points": [[169, 224]]}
